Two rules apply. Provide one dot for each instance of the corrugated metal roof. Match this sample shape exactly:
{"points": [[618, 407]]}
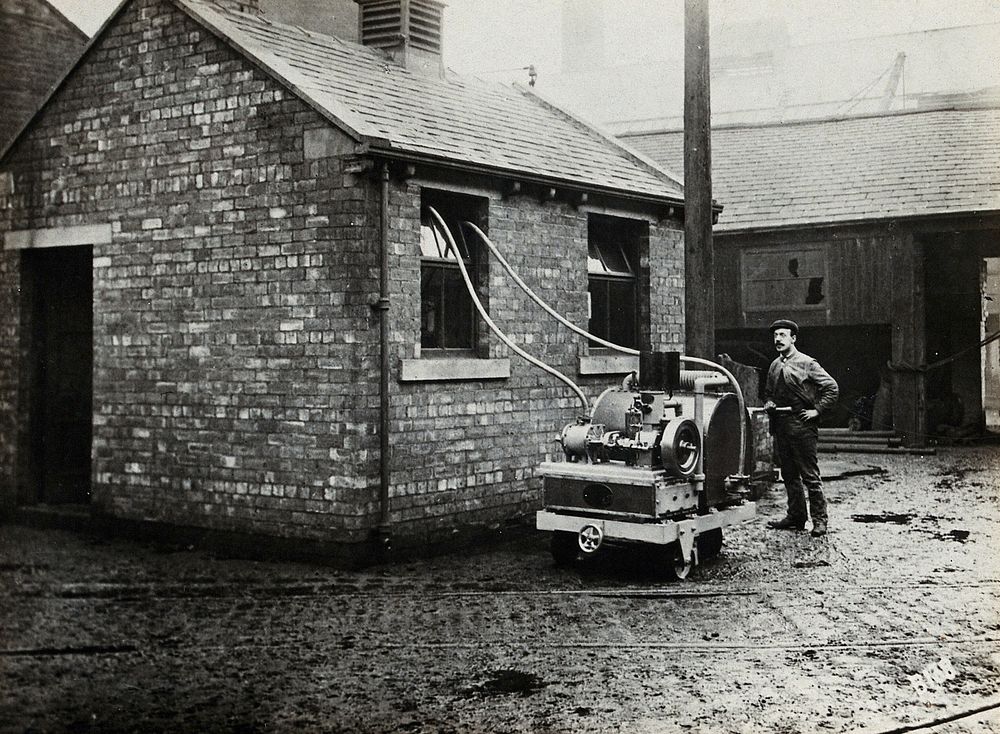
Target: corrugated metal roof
{"points": [[938, 162], [464, 120]]}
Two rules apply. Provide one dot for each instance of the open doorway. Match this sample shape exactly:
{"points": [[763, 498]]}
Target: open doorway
{"points": [[59, 299], [991, 352], [954, 327]]}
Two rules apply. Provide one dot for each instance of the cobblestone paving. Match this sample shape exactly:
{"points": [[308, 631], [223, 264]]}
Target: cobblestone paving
{"points": [[890, 622]]}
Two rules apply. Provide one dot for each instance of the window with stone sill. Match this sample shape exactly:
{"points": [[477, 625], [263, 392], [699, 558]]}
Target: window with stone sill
{"points": [[449, 324], [613, 280]]}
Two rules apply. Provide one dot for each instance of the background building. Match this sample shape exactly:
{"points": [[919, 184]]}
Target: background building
{"points": [[621, 63], [874, 233], [39, 45]]}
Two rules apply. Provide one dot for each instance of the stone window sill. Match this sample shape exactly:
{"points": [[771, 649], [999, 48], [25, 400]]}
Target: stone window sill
{"points": [[608, 364], [453, 369]]}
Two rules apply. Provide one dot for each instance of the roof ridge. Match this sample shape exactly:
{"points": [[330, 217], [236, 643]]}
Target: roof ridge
{"points": [[984, 107], [887, 167], [609, 137], [326, 41], [225, 10], [451, 120]]}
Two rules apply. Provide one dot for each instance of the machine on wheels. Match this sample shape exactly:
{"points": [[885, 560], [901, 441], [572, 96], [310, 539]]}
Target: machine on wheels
{"points": [[659, 463]]}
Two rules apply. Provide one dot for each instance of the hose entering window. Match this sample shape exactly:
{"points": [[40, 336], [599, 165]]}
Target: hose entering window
{"points": [[489, 321], [617, 347]]}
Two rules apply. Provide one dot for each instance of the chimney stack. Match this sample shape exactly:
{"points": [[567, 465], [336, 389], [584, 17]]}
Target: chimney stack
{"points": [[409, 30]]}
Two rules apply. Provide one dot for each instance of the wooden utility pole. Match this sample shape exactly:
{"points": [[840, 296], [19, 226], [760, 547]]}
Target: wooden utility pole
{"points": [[699, 257]]}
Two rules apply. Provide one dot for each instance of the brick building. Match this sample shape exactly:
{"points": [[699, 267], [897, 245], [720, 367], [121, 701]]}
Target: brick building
{"points": [[39, 45], [225, 307], [872, 233]]}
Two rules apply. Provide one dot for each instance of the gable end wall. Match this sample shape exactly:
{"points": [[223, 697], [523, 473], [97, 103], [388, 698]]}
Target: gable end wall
{"points": [[233, 382]]}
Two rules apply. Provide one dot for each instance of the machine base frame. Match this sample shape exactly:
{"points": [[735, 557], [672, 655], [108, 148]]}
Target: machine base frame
{"points": [[656, 532]]}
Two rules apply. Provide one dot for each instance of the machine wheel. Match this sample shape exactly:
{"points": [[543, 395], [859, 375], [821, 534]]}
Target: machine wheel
{"points": [[709, 543], [564, 547], [672, 564]]}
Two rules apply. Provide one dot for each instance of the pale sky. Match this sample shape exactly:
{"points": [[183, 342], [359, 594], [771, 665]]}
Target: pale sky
{"points": [[484, 33], [489, 36]]}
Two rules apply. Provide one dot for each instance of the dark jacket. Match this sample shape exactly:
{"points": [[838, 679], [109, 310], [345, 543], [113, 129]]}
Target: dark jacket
{"points": [[806, 379]]}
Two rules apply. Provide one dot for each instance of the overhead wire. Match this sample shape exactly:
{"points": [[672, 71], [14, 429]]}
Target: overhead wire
{"points": [[857, 96]]}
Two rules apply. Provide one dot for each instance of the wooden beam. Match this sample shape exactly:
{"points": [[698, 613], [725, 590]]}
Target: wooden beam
{"points": [[908, 340], [699, 258]]}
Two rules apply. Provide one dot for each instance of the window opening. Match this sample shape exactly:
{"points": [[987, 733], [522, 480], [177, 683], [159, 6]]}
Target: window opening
{"points": [[612, 258], [447, 314], [785, 280]]}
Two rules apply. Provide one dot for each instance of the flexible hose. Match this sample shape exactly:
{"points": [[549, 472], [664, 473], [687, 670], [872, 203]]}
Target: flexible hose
{"points": [[617, 347], [534, 297], [496, 329]]}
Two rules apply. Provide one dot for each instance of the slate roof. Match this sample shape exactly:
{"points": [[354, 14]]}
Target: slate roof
{"points": [[464, 120], [929, 163]]}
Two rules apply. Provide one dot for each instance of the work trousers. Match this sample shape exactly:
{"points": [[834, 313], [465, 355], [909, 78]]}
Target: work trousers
{"points": [[796, 441]]}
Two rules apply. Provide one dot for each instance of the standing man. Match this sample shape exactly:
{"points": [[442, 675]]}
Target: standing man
{"points": [[798, 390]]}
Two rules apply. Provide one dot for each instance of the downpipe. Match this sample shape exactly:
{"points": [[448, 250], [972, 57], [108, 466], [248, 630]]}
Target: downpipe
{"points": [[384, 530]]}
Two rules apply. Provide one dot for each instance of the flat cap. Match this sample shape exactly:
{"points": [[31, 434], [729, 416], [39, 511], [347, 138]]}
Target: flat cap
{"points": [[785, 324]]}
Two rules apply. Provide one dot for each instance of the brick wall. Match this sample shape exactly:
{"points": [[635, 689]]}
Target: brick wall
{"points": [[9, 377], [231, 308], [38, 47], [332, 17], [466, 452], [236, 350]]}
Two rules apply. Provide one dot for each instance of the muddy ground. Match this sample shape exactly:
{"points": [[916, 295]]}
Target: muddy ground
{"points": [[889, 623]]}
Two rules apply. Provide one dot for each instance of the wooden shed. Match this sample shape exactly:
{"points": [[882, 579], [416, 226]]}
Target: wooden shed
{"points": [[871, 232]]}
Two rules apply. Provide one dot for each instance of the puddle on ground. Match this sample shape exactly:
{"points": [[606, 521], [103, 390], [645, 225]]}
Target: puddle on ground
{"points": [[509, 682], [959, 536], [896, 518], [899, 518], [810, 564]]}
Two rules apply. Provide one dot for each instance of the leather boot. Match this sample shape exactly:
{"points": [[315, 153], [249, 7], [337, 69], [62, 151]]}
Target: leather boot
{"points": [[787, 523], [819, 528]]}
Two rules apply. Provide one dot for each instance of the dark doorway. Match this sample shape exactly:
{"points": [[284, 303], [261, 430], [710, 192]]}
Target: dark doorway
{"points": [[953, 286], [855, 356], [60, 297]]}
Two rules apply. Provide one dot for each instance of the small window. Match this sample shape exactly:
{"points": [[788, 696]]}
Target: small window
{"points": [[791, 282], [447, 315], [612, 267], [784, 279]]}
